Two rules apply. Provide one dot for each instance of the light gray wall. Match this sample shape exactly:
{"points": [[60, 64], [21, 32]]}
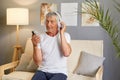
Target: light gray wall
{"points": [[7, 33]]}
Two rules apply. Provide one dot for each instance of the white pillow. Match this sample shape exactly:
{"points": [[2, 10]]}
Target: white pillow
{"points": [[24, 61], [32, 66], [88, 64]]}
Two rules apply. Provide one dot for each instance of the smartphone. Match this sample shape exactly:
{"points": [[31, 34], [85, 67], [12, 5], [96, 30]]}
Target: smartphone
{"points": [[34, 33]]}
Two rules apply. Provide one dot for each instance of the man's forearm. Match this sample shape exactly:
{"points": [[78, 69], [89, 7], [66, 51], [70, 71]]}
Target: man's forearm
{"points": [[66, 48], [37, 55]]}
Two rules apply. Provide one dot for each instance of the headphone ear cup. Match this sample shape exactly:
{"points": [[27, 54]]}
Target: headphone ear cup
{"points": [[59, 25], [59, 16], [59, 19]]}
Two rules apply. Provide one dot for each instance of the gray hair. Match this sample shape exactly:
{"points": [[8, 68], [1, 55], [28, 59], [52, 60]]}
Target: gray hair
{"points": [[53, 14]]}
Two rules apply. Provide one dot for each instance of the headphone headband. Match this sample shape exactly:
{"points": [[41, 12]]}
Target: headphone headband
{"points": [[60, 18]]}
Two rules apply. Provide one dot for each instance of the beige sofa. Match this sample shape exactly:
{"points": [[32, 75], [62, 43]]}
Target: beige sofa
{"points": [[92, 46]]}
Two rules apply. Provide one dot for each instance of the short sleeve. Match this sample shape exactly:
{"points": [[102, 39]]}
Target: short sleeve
{"points": [[41, 39], [68, 38]]}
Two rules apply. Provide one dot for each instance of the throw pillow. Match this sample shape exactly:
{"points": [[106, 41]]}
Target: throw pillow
{"points": [[32, 66], [88, 64], [24, 61]]}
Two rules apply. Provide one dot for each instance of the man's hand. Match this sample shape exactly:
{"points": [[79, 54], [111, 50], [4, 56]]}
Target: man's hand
{"points": [[35, 40], [37, 55], [66, 48], [63, 28]]}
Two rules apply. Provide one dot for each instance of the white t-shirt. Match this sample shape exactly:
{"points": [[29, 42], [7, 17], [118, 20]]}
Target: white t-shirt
{"points": [[53, 59]]}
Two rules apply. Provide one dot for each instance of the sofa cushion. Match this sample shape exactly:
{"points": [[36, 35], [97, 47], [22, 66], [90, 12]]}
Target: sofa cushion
{"points": [[79, 77], [18, 75], [94, 47], [29, 47], [88, 64], [24, 61], [32, 66]]}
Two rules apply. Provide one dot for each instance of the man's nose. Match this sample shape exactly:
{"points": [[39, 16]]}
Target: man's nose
{"points": [[49, 24]]}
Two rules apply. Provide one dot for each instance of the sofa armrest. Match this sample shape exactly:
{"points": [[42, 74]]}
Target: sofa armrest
{"points": [[99, 73], [7, 66]]}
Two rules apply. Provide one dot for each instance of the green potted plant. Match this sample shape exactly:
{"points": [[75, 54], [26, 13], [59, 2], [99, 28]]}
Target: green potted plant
{"points": [[105, 21]]}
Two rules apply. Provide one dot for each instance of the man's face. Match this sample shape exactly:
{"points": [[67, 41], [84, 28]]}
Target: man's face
{"points": [[51, 24]]}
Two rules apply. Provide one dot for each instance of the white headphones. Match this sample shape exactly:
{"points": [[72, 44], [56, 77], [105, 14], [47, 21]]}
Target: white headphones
{"points": [[59, 20]]}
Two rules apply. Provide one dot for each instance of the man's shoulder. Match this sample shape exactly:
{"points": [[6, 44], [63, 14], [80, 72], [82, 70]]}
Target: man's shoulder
{"points": [[68, 37]]}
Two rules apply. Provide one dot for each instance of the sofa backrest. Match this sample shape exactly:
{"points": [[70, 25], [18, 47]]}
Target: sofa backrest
{"points": [[94, 47]]}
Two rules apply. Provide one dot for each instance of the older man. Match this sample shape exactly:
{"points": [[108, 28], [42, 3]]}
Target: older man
{"points": [[51, 50]]}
